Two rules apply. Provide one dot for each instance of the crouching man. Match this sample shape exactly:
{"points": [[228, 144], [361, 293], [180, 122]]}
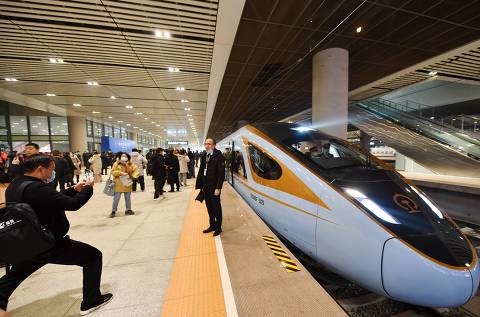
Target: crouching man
{"points": [[50, 207]]}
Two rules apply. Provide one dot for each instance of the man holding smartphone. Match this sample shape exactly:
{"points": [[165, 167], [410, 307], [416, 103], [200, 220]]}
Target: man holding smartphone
{"points": [[50, 206]]}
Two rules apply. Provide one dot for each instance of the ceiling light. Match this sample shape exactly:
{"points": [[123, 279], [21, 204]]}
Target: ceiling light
{"points": [[358, 29], [274, 108], [10, 79], [180, 88], [173, 69], [190, 119], [50, 95], [113, 97], [431, 118], [139, 113], [119, 121], [110, 117], [56, 60], [184, 100], [95, 112], [77, 105], [163, 34], [189, 115], [158, 125], [187, 109], [129, 106], [146, 118], [135, 127], [92, 83], [432, 73]]}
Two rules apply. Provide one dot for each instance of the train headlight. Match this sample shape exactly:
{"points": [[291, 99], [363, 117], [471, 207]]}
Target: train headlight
{"points": [[370, 205]]}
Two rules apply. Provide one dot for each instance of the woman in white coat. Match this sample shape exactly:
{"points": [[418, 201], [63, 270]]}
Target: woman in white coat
{"points": [[183, 160], [96, 166]]}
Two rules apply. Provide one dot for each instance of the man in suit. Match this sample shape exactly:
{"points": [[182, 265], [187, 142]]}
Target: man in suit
{"points": [[210, 180]]}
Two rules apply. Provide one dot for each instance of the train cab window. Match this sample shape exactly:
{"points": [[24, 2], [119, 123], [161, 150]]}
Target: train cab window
{"points": [[330, 154], [263, 165]]}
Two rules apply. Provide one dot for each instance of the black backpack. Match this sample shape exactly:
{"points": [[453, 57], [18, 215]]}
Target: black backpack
{"points": [[22, 237]]}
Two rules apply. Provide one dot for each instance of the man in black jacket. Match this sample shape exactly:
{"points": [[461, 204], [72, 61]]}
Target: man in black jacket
{"points": [[50, 207], [158, 173], [61, 168], [173, 167], [210, 180]]}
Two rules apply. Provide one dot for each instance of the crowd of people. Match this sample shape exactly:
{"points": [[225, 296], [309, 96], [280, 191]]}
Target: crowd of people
{"points": [[52, 183]]}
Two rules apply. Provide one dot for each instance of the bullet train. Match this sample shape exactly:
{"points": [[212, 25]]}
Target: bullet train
{"points": [[353, 214]]}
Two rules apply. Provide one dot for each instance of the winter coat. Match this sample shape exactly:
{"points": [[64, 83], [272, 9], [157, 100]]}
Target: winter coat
{"points": [[157, 163], [96, 164], [173, 167], [183, 160], [117, 170], [78, 165], [139, 161]]}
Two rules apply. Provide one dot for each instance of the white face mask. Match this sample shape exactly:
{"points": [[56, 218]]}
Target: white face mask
{"points": [[124, 159], [51, 178]]}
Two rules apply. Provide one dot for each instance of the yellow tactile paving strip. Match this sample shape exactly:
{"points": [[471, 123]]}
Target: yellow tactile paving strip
{"points": [[195, 287]]}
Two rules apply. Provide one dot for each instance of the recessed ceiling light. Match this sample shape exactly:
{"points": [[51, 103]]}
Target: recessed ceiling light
{"points": [[113, 97], [158, 125], [95, 112], [274, 108], [173, 69], [432, 73], [358, 29], [119, 121], [163, 34], [153, 121], [184, 100], [135, 127], [139, 113], [189, 115], [129, 106], [190, 119], [110, 117], [56, 60], [187, 109], [50, 94], [146, 118], [77, 105], [10, 79], [180, 88], [92, 83]]}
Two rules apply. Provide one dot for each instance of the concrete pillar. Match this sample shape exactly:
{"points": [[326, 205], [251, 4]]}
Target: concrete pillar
{"points": [[132, 136], [77, 133], [330, 91]]}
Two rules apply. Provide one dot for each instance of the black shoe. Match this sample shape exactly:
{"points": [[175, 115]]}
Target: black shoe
{"points": [[171, 191], [112, 214], [87, 309], [217, 232], [208, 230], [129, 213]]}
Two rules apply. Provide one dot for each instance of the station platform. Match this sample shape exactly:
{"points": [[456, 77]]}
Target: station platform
{"points": [[159, 263]]}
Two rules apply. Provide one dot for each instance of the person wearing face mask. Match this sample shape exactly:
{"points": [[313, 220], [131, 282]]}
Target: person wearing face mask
{"points": [[123, 173], [50, 207], [211, 175]]}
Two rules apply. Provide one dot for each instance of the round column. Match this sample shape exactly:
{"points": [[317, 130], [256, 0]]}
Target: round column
{"points": [[77, 133]]}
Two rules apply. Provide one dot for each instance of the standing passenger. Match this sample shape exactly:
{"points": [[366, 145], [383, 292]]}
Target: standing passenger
{"points": [[210, 180], [123, 171], [173, 167], [184, 161], [96, 166], [158, 173], [141, 163]]}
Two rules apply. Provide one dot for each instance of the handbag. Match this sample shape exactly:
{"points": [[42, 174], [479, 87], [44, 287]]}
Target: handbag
{"points": [[22, 236], [109, 189]]}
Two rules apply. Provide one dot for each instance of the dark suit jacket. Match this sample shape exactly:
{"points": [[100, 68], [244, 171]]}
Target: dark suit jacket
{"points": [[215, 172]]}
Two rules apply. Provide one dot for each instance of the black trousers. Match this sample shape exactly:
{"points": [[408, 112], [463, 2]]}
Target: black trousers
{"points": [[104, 170], [214, 208], [66, 252], [158, 184], [141, 181], [58, 181], [172, 185]]}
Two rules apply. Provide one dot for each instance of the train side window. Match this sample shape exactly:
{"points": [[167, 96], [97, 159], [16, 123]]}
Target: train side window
{"points": [[238, 164], [263, 165]]}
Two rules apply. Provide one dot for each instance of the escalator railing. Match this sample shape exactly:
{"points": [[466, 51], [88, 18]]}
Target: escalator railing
{"points": [[401, 115]]}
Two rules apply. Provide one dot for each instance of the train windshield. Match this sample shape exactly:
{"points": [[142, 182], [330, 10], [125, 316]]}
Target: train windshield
{"points": [[329, 153]]}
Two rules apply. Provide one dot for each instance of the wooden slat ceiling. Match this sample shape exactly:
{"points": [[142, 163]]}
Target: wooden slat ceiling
{"points": [[268, 76], [114, 44]]}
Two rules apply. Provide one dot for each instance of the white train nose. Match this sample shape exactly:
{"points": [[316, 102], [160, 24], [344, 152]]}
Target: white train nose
{"points": [[414, 278]]}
